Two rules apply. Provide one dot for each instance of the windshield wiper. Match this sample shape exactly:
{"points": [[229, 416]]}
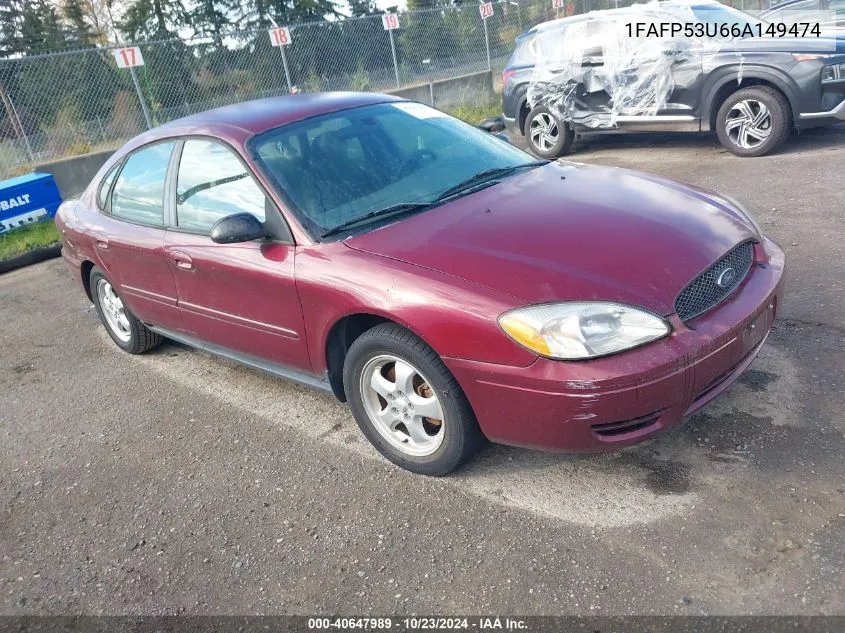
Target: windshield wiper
{"points": [[393, 209], [482, 176]]}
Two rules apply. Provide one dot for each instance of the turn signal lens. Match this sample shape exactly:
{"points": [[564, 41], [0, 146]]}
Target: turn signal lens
{"points": [[524, 333]]}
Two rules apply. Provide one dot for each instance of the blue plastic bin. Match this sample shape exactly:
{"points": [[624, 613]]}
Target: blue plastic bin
{"points": [[27, 199]]}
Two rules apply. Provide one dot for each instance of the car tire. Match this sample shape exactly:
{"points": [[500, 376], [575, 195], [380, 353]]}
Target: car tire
{"points": [[392, 417], [548, 137], [125, 330], [754, 121]]}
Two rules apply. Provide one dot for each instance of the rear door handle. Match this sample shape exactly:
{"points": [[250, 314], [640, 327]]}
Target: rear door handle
{"points": [[182, 260]]}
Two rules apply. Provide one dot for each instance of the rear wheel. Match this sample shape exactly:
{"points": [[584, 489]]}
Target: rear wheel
{"points": [[126, 331], [754, 121], [407, 403], [548, 137]]}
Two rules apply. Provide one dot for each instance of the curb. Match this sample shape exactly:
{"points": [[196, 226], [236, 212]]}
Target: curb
{"points": [[30, 257]]}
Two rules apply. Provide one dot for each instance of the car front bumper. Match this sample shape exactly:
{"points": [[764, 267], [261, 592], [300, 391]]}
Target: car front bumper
{"points": [[610, 402], [810, 119], [511, 125]]}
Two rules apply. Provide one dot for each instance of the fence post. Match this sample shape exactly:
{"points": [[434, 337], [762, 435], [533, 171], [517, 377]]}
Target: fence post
{"points": [[100, 126], [519, 15], [487, 44], [16, 121], [287, 72], [395, 63], [144, 107]]}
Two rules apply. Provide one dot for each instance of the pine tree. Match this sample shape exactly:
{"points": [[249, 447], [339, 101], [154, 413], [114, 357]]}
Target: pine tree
{"points": [[360, 8], [41, 28], [11, 19], [87, 20], [80, 30], [152, 19], [259, 12], [211, 17]]}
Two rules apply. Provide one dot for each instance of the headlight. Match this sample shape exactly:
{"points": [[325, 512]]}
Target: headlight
{"points": [[745, 213], [578, 330]]}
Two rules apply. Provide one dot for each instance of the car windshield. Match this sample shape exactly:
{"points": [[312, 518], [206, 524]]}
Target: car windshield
{"points": [[340, 167], [719, 14]]}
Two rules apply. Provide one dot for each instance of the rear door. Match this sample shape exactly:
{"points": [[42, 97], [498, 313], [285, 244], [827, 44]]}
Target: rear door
{"points": [[664, 75], [130, 236], [607, 71], [241, 297]]}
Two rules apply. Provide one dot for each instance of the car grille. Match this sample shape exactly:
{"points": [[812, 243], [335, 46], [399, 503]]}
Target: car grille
{"points": [[714, 284]]}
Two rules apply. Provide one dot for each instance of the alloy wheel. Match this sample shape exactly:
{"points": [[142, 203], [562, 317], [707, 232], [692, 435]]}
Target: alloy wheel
{"points": [[749, 123], [113, 311], [402, 405], [544, 132]]}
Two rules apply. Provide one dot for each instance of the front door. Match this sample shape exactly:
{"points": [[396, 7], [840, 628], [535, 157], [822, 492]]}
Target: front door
{"points": [[241, 297]]}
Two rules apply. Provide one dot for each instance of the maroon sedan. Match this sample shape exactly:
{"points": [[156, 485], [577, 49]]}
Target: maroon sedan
{"points": [[444, 283]]}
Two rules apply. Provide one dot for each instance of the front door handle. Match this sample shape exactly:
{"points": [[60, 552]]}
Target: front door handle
{"points": [[182, 260], [102, 244]]}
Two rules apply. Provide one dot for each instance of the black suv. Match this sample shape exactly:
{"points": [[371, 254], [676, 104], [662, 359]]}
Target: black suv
{"points": [[602, 72]]}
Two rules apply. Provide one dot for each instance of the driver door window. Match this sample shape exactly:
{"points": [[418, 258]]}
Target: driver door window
{"points": [[212, 184]]}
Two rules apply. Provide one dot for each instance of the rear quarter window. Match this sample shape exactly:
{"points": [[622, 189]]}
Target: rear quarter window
{"points": [[105, 186]]}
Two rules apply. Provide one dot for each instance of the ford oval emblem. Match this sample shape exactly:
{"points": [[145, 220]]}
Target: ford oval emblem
{"points": [[726, 278]]}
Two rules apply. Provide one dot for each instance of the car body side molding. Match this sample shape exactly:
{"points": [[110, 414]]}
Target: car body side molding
{"points": [[261, 364]]}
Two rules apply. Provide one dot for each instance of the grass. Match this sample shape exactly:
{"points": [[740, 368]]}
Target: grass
{"points": [[27, 237], [475, 114]]}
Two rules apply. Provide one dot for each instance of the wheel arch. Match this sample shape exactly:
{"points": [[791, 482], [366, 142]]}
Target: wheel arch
{"points": [[726, 83], [522, 114], [85, 270], [340, 337]]}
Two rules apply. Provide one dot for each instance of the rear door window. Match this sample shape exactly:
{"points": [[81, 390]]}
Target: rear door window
{"points": [[138, 194]]}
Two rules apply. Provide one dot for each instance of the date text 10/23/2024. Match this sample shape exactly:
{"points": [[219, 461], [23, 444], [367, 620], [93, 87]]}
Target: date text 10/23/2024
{"points": [[491, 623]]}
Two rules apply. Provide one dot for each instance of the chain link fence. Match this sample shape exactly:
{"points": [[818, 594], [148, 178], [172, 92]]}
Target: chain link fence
{"points": [[75, 102]]}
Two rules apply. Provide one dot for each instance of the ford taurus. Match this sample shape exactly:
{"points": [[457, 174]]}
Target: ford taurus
{"points": [[444, 283]]}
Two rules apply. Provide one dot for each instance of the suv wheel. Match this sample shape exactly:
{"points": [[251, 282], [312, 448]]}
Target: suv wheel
{"points": [[754, 121], [128, 332], [407, 403], [548, 137]]}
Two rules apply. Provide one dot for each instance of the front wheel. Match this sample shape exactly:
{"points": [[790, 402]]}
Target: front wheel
{"points": [[407, 403], [754, 121], [548, 137]]}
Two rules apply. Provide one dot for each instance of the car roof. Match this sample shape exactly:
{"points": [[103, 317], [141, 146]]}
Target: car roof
{"points": [[782, 5], [573, 19], [260, 115], [789, 3]]}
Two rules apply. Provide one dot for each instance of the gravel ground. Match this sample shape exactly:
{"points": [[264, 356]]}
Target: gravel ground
{"points": [[179, 483]]}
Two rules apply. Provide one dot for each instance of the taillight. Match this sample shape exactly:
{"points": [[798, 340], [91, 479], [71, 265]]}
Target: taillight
{"points": [[506, 75]]}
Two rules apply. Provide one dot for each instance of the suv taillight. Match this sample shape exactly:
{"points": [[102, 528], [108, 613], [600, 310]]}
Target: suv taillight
{"points": [[506, 75]]}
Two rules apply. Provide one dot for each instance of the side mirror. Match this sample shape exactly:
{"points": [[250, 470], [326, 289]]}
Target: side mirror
{"points": [[239, 227], [493, 124]]}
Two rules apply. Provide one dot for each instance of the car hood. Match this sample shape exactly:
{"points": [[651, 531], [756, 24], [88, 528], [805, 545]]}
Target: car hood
{"points": [[569, 231]]}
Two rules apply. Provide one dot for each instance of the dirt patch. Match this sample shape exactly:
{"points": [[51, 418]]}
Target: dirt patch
{"points": [[757, 380]]}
